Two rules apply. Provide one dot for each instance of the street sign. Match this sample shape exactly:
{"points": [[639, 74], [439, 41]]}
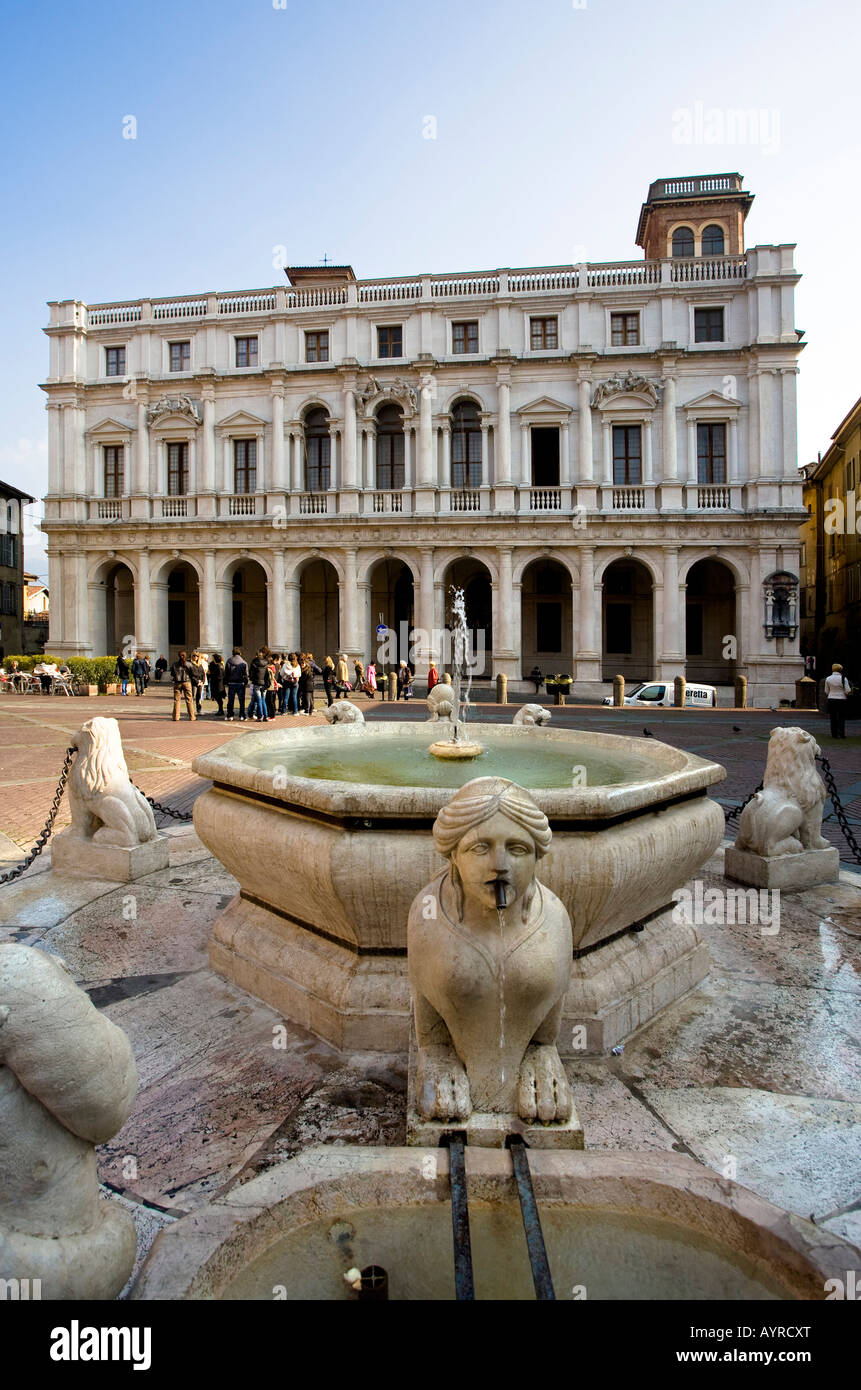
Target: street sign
{"points": [[382, 630]]}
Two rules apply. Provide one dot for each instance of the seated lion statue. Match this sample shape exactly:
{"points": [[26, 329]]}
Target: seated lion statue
{"points": [[440, 702], [532, 714], [786, 816], [105, 807], [343, 712]]}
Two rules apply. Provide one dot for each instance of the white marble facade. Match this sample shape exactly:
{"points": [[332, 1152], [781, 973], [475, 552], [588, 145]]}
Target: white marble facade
{"points": [[552, 532]]}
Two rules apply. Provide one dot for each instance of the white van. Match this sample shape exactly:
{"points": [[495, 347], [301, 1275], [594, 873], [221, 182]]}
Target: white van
{"points": [[663, 693]]}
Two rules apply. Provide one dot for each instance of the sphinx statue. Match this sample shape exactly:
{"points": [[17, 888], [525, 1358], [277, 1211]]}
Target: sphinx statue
{"points": [[489, 953], [67, 1082]]}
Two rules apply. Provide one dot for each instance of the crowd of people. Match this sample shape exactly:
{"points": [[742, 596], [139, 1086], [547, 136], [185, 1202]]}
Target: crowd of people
{"points": [[270, 684]]}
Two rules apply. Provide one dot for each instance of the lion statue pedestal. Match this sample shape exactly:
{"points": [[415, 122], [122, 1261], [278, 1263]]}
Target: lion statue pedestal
{"points": [[113, 834], [780, 843]]}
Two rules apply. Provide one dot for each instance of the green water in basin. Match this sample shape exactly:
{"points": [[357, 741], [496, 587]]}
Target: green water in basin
{"points": [[392, 762]]}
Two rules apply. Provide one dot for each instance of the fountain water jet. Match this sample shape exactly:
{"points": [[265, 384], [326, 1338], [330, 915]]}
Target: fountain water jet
{"points": [[458, 747]]}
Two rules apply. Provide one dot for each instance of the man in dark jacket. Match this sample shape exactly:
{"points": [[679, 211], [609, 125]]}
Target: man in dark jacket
{"points": [[236, 673], [181, 675], [216, 682], [139, 671]]}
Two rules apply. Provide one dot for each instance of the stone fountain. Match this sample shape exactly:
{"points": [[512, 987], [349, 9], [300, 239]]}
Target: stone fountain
{"points": [[459, 747]]}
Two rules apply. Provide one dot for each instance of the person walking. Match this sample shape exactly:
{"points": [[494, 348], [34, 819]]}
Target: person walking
{"points": [[216, 682], [273, 689], [837, 691], [203, 663], [236, 673], [182, 687], [359, 684], [294, 671], [329, 680], [123, 672], [342, 676], [259, 676], [404, 679], [433, 677], [139, 673], [160, 668], [371, 678]]}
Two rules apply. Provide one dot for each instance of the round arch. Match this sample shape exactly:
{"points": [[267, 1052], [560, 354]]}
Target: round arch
{"points": [[611, 557], [392, 584], [111, 588], [736, 565], [293, 574], [546, 615], [711, 621], [628, 619], [526, 558], [176, 583], [319, 630], [476, 577]]}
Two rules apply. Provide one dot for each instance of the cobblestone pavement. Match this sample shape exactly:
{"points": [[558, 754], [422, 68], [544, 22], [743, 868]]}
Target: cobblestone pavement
{"points": [[34, 733]]}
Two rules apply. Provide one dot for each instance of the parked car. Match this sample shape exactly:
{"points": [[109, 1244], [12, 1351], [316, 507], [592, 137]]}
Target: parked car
{"points": [[663, 693]]}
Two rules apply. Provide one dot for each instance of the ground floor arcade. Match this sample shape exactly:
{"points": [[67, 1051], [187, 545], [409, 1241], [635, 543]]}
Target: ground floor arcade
{"points": [[651, 611]]}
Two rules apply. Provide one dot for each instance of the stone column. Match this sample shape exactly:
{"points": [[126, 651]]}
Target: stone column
{"points": [[587, 605], [143, 605], [426, 470], [446, 453], [692, 450], [293, 609], [673, 634], [350, 472], [647, 451], [425, 605], [669, 464], [55, 448], [607, 441], [525, 461], [503, 442], [142, 485], [565, 454], [210, 638], [279, 472], [371, 458], [347, 602], [208, 469], [586, 470], [503, 646], [298, 462], [277, 636]]}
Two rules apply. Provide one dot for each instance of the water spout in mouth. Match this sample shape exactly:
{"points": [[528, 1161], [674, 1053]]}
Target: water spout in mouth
{"points": [[501, 888]]}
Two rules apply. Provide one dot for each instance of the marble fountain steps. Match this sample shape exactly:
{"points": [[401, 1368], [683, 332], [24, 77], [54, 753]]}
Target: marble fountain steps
{"points": [[760, 1063]]}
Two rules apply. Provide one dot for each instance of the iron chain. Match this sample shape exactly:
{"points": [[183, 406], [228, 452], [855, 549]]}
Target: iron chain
{"points": [[49, 823], [730, 814], [165, 810], [839, 812]]}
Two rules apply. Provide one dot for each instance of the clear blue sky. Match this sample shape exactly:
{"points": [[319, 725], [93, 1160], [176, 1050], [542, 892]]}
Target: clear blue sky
{"points": [[303, 126]]}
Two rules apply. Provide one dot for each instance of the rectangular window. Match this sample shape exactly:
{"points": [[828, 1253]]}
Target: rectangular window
{"points": [[244, 465], [390, 461], [317, 346], [390, 341], [548, 627], [624, 330], [10, 604], [177, 469], [317, 461], [619, 629], [464, 336], [246, 352], [114, 470], [694, 629], [7, 551], [543, 333], [115, 361], [180, 357], [708, 326], [627, 456], [711, 455]]}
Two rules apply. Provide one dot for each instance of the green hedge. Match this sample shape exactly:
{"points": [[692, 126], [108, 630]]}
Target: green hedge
{"points": [[89, 670]]}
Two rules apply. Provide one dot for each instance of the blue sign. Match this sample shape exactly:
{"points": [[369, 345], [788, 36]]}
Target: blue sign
{"points": [[382, 630]]}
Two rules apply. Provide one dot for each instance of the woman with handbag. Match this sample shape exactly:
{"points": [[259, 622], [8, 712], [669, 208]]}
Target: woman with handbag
{"points": [[837, 691]]}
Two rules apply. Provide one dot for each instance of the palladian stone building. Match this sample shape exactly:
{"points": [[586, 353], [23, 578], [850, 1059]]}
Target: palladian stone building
{"points": [[602, 455]]}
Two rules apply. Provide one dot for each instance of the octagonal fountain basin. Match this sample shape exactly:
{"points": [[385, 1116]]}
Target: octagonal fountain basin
{"points": [[328, 831], [616, 1226]]}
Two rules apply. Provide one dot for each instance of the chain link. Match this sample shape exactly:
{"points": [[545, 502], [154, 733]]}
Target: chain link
{"points": [[165, 810], [49, 823], [839, 812], [730, 814]]}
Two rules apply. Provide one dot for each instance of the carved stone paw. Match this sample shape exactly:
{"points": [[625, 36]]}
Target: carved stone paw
{"points": [[442, 1086], [543, 1092]]}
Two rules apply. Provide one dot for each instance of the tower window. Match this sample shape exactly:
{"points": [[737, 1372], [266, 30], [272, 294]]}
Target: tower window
{"points": [[683, 242], [713, 242]]}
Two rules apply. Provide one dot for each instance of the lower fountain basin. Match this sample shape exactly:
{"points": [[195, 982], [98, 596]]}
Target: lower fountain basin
{"points": [[328, 831], [616, 1225]]}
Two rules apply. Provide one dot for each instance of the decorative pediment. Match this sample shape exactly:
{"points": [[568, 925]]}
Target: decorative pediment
{"points": [[241, 421], [626, 391], [182, 407], [709, 402], [545, 405], [372, 393], [109, 428]]}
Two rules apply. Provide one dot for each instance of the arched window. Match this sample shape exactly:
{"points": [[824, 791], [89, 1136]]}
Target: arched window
{"points": [[317, 451], [713, 240], [683, 242], [465, 446], [390, 448]]}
